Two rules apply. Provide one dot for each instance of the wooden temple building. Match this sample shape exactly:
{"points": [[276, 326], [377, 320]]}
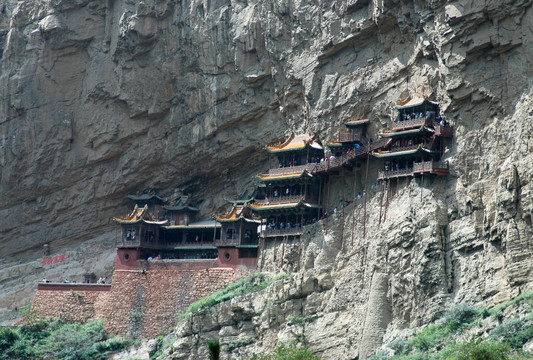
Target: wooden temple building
{"points": [[292, 192], [173, 236], [414, 144], [351, 139], [238, 241]]}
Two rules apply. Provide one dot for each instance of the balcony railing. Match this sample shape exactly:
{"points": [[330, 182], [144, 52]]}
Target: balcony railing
{"points": [[350, 136], [227, 242], [292, 169], [387, 174], [433, 167], [159, 244], [441, 130], [406, 124], [281, 232], [286, 200]]}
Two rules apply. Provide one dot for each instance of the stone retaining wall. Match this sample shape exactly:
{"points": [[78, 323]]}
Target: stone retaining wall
{"points": [[140, 304], [69, 304]]}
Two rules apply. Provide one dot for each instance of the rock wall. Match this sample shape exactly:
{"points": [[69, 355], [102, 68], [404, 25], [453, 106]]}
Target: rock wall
{"points": [[101, 99]]}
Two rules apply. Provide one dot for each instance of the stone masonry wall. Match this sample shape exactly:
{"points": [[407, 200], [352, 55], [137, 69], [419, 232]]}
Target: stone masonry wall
{"points": [[68, 304], [140, 304], [147, 304]]}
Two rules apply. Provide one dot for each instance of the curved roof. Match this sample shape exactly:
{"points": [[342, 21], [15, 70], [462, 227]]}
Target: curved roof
{"points": [[235, 214], [334, 143], [139, 215], [268, 177], [415, 102], [390, 134], [262, 207], [356, 122], [180, 207], [206, 224], [391, 154], [299, 142], [144, 197]]}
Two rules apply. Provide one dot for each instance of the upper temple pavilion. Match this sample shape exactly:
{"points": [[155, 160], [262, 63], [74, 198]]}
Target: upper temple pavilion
{"points": [[292, 193], [415, 142]]}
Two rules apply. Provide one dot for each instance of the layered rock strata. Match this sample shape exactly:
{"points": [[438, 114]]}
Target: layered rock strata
{"points": [[101, 99]]}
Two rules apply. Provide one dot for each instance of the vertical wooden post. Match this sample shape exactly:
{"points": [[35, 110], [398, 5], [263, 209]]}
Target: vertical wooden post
{"points": [[354, 196], [366, 194], [343, 203], [381, 202]]}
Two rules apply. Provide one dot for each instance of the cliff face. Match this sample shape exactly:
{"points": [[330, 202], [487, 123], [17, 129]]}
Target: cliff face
{"points": [[101, 99]]}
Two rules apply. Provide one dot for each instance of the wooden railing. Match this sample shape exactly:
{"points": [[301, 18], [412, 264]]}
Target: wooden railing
{"points": [[441, 130], [334, 163], [159, 244], [387, 174], [292, 169], [350, 136], [406, 124], [282, 200], [281, 232], [127, 243], [227, 242], [432, 167], [404, 148]]}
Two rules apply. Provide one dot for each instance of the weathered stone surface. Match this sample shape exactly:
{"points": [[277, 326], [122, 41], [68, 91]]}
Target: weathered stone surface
{"points": [[101, 99]]}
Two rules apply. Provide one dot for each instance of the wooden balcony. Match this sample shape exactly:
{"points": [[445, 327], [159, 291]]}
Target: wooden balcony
{"points": [[426, 167], [280, 200], [444, 131], [350, 137], [120, 243], [389, 174], [292, 169], [408, 124], [432, 167], [295, 231]]}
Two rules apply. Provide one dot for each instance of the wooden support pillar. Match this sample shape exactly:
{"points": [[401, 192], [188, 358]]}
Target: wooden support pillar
{"points": [[366, 195], [343, 205], [381, 202]]}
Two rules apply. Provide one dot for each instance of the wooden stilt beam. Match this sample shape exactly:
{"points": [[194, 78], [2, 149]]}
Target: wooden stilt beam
{"points": [[343, 203], [366, 196], [354, 195]]}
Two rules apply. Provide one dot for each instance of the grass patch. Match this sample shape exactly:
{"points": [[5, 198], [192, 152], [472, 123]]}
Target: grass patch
{"points": [[291, 352], [251, 283], [239, 343], [438, 340]]}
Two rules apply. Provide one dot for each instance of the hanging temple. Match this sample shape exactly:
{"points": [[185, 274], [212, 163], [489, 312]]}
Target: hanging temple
{"points": [[293, 194]]}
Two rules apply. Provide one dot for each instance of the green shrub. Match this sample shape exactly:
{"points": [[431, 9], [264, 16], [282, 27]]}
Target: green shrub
{"points": [[214, 349], [239, 343], [251, 283], [400, 347], [515, 332], [55, 339], [427, 338], [459, 317], [292, 352], [482, 350]]}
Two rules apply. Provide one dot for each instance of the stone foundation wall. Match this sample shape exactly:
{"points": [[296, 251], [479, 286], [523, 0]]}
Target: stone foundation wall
{"points": [[69, 304], [141, 304]]}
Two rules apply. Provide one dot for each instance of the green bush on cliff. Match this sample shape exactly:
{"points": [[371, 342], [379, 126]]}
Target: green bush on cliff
{"points": [[56, 339], [251, 283], [292, 352]]}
